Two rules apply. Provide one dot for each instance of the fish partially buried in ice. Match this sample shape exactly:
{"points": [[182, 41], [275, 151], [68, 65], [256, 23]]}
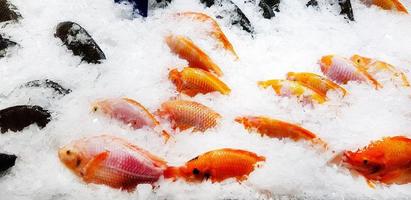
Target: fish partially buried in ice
{"points": [[386, 161], [342, 71], [192, 81], [278, 129], [5, 45], [217, 165], [387, 4], [293, 88], [6, 162], [186, 49], [8, 12], [215, 30], [381, 71], [188, 114], [16, 118], [111, 161], [316, 82], [130, 112]]}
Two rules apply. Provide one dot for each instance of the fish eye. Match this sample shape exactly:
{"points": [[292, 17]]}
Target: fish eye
{"points": [[68, 152], [365, 162], [95, 108], [196, 171]]}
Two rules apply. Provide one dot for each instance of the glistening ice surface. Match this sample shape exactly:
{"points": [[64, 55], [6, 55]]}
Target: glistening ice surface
{"points": [[137, 65]]}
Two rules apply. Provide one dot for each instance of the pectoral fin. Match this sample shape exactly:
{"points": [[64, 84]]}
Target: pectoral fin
{"points": [[93, 165]]}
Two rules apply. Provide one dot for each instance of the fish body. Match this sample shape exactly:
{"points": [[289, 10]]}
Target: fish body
{"points": [[387, 161], [377, 68], [293, 88], [129, 112], [111, 161], [16, 118], [189, 114], [316, 82], [192, 81], [215, 30], [217, 165], [342, 70], [387, 4], [186, 49]]}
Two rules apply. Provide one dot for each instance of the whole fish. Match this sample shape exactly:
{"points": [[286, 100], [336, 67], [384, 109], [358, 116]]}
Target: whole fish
{"points": [[217, 165], [387, 161], [316, 82], [293, 88], [215, 30], [111, 161], [129, 112], [186, 49], [192, 81], [387, 4], [342, 70], [16, 118], [377, 68], [189, 114], [278, 129]]}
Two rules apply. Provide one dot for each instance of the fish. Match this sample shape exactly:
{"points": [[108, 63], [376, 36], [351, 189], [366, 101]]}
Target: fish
{"points": [[7, 161], [395, 5], [192, 81], [111, 161], [5, 45], [186, 49], [215, 31], [16, 118], [217, 165], [346, 9], [268, 7], [386, 161], [342, 70], [376, 67], [316, 82], [47, 83], [275, 128], [129, 112], [8, 12], [78, 40], [188, 114], [293, 88]]}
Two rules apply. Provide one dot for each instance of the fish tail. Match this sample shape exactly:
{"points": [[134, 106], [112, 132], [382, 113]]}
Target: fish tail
{"points": [[321, 143], [172, 173]]}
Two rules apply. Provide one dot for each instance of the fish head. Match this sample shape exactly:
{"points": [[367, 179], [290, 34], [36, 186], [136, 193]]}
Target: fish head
{"points": [[364, 162], [195, 170], [101, 107], [360, 60], [175, 77], [71, 157], [292, 76]]}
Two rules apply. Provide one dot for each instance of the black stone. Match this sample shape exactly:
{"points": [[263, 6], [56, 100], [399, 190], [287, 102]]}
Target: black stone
{"points": [[8, 12], [6, 161], [80, 42], [268, 7], [46, 83], [16, 118], [346, 9], [4, 45]]}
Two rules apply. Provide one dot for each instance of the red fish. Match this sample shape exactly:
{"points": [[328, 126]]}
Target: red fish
{"points": [[111, 161], [217, 165]]}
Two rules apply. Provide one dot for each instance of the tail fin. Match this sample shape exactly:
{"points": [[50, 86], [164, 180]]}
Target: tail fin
{"points": [[172, 173]]}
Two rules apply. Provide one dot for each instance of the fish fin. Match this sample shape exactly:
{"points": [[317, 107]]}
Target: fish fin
{"points": [[93, 165], [191, 92], [399, 6], [166, 135], [153, 119], [337, 159], [371, 184], [172, 173], [373, 81], [319, 142]]}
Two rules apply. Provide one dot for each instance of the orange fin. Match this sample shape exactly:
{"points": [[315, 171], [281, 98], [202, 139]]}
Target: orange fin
{"points": [[371, 184], [93, 165]]}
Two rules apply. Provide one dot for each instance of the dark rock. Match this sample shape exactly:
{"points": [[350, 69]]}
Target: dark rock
{"points": [[80, 42], [6, 162], [4, 45], [46, 83], [16, 118], [8, 12]]}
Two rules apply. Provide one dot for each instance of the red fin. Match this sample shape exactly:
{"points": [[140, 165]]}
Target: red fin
{"points": [[93, 165]]}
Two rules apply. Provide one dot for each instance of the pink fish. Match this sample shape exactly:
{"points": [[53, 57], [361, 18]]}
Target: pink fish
{"points": [[111, 161]]}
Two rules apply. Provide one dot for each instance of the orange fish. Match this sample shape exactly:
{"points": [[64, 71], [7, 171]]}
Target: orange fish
{"points": [[186, 49], [316, 82], [342, 70], [387, 4], [192, 81], [387, 161], [189, 114], [129, 112], [111, 161], [377, 68], [217, 165], [215, 32], [277, 129], [293, 88]]}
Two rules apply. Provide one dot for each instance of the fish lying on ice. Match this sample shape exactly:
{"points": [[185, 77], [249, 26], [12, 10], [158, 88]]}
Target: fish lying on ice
{"points": [[186, 49], [129, 112], [293, 88], [192, 81], [381, 71], [5, 45], [316, 82], [217, 165], [387, 4], [215, 30], [111, 161], [6, 162], [47, 83], [8, 12], [17, 118], [386, 161], [188, 114]]}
